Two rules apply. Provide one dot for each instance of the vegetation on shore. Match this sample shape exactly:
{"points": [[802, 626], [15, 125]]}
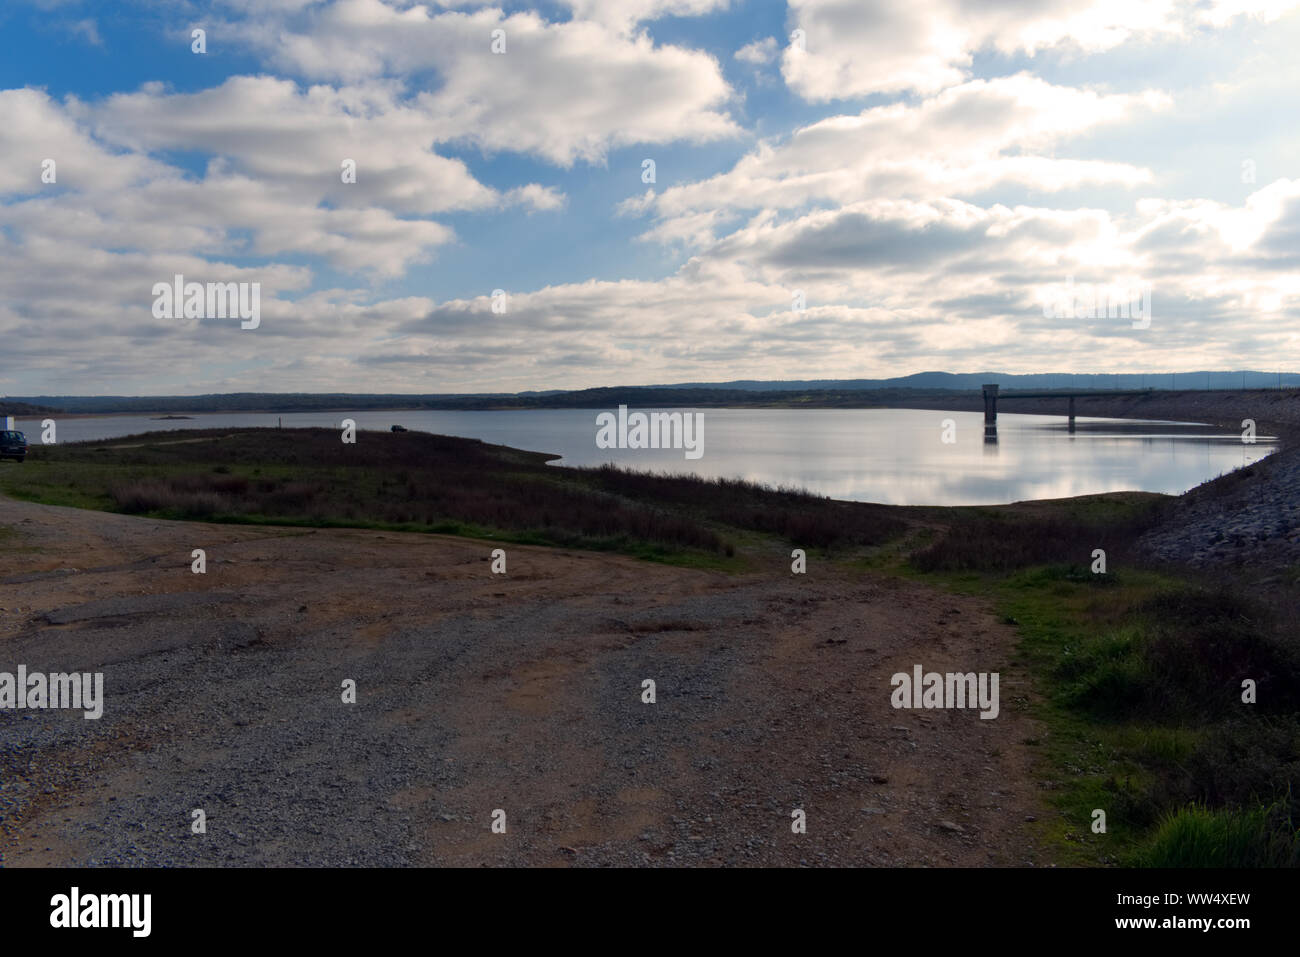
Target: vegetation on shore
{"points": [[414, 481], [9, 407], [1138, 670], [1140, 673]]}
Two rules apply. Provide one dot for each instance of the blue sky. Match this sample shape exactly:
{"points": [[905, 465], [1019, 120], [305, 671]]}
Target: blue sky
{"points": [[842, 189]]}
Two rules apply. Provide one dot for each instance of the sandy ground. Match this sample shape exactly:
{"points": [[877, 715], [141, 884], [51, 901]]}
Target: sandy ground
{"points": [[478, 692]]}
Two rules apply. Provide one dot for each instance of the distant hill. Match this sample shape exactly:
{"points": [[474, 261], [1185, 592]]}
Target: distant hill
{"points": [[787, 393], [964, 381], [16, 408], [252, 402]]}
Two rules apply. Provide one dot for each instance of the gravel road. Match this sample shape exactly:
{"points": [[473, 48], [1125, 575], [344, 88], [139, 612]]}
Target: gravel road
{"points": [[478, 692]]}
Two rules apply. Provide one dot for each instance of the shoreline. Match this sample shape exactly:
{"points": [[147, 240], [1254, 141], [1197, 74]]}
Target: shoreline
{"points": [[1272, 407], [1278, 421]]}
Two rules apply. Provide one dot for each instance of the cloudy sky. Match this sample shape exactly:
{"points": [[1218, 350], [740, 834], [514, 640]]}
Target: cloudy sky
{"points": [[840, 188]]}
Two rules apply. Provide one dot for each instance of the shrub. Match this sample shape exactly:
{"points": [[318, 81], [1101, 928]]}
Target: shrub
{"points": [[1184, 660], [1002, 543], [153, 495], [1197, 836]]}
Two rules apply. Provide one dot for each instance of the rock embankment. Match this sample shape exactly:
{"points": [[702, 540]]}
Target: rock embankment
{"points": [[1247, 517]]}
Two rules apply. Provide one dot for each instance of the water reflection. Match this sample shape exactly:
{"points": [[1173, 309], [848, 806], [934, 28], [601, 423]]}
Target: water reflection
{"points": [[881, 455]]}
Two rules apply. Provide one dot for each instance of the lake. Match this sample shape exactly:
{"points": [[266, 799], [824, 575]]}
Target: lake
{"points": [[896, 456]]}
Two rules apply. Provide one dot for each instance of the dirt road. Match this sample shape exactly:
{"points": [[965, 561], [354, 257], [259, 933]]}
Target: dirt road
{"points": [[477, 692]]}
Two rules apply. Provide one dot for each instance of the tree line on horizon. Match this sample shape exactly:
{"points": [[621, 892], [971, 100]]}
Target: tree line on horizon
{"points": [[825, 393]]}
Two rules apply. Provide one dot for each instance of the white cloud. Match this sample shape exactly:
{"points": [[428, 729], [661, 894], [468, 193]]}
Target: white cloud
{"points": [[758, 52], [87, 29], [274, 186], [565, 91], [297, 139], [924, 284], [36, 129], [624, 14], [882, 216], [852, 49], [966, 139]]}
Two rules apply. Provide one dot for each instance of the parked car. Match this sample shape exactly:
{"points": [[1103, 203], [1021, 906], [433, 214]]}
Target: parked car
{"points": [[398, 428], [13, 445]]}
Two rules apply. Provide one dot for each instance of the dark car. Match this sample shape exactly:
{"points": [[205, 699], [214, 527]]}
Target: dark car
{"points": [[13, 445], [398, 428]]}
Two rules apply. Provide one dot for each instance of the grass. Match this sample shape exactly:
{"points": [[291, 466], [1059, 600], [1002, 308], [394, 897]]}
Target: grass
{"points": [[1004, 538], [415, 481], [1140, 674], [1198, 836]]}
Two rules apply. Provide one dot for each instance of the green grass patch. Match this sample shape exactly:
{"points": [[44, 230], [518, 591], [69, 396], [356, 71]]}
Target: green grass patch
{"points": [[1199, 836], [1139, 675]]}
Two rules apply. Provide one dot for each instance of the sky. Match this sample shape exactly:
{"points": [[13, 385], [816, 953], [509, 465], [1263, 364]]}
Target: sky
{"points": [[623, 192]]}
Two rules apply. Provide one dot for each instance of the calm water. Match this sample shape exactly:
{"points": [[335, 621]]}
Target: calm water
{"points": [[869, 455]]}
